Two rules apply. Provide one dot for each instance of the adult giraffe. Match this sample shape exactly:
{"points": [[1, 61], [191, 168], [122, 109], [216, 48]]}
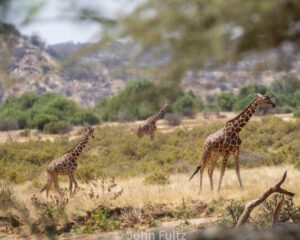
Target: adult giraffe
{"points": [[226, 142], [66, 165], [149, 127]]}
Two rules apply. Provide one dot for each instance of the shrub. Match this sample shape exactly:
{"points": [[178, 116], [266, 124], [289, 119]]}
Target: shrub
{"points": [[85, 117], [187, 105], [157, 178], [34, 111], [41, 120], [173, 119], [226, 101], [8, 124], [297, 113], [59, 127], [140, 99], [6, 198]]}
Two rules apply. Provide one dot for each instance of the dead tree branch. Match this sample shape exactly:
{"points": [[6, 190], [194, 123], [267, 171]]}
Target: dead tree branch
{"points": [[254, 203], [276, 212]]}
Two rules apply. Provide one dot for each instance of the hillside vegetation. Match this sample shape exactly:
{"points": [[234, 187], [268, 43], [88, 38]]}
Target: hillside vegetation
{"points": [[50, 112], [118, 152]]}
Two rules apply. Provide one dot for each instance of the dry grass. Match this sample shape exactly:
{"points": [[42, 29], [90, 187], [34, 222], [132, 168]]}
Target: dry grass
{"points": [[137, 194]]}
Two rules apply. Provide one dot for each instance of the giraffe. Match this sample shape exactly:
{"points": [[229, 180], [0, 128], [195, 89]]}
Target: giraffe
{"points": [[149, 127], [226, 142], [66, 165]]}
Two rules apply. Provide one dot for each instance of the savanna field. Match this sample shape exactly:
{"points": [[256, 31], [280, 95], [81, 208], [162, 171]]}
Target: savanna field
{"points": [[128, 183]]}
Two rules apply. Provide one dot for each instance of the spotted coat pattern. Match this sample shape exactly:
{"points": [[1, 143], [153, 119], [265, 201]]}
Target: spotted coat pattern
{"points": [[149, 127], [227, 142], [66, 165]]}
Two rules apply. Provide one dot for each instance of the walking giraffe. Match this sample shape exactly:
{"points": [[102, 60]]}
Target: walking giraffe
{"points": [[149, 127], [66, 165], [226, 142]]}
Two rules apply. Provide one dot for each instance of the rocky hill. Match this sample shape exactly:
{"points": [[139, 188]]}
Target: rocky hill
{"points": [[29, 65]]}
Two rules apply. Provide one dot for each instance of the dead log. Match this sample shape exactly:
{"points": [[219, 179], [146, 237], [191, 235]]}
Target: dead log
{"points": [[254, 203]]}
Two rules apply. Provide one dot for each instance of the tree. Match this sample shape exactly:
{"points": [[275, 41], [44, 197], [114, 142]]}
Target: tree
{"points": [[288, 84], [226, 101], [198, 31]]}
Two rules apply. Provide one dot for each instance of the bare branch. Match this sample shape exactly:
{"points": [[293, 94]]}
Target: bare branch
{"points": [[254, 203], [277, 212]]}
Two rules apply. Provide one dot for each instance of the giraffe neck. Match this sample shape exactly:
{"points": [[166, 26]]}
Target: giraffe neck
{"points": [[236, 124], [79, 147], [160, 113]]}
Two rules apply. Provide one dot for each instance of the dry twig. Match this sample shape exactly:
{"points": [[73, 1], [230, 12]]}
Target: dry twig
{"points": [[254, 203]]}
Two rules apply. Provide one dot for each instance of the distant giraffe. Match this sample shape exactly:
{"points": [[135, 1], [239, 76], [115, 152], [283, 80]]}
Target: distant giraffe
{"points": [[66, 165], [226, 142], [149, 127]]}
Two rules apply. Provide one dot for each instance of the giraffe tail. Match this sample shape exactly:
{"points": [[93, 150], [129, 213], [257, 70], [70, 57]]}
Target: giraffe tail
{"points": [[197, 170]]}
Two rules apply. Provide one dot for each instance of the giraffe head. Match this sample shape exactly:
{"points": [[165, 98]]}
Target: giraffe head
{"points": [[90, 131], [265, 99]]}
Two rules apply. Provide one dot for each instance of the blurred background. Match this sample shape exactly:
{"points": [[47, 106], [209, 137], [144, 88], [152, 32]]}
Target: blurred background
{"points": [[118, 60], [68, 64]]}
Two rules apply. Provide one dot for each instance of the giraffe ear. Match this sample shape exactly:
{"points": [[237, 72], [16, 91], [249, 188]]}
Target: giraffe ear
{"points": [[259, 95]]}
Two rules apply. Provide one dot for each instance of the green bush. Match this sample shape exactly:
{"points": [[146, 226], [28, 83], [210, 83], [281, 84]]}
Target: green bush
{"points": [[226, 101], [157, 178], [8, 123], [41, 120], [35, 111], [140, 99], [59, 127], [115, 151], [297, 113], [187, 105], [85, 117]]}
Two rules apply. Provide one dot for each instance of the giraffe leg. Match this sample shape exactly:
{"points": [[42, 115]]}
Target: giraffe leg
{"points": [[152, 135], [47, 185], [237, 169], [224, 163], [205, 159], [202, 171], [70, 185], [72, 178], [55, 181], [211, 171]]}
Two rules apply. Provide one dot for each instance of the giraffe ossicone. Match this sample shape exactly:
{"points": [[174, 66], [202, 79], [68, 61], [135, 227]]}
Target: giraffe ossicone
{"points": [[226, 142], [66, 165]]}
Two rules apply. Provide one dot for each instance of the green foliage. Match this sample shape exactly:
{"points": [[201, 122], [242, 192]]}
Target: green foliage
{"points": [[83, 117], [226, 101], [41, 120], [284, 92], [197, 30], [182, 211], [288, 211], [297, 113], [233, 212], [6, 198], [140, 99], [115, 151], [187, 105], [101, 220], [157, 178], [59, 127], [37, 111]]}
